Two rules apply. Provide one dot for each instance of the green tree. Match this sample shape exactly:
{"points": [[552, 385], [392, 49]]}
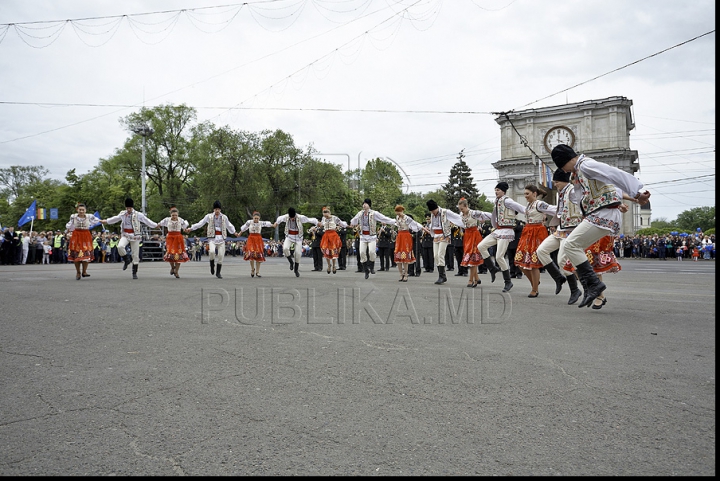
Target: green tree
{"points": [[460, 184], [382, 183], [167, 150], [16, 178], [690, 220]]}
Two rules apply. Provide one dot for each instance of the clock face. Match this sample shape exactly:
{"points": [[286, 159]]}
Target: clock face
{"points": [[559, 135]]}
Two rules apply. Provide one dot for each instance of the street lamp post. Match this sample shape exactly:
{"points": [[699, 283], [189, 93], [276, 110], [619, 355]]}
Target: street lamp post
{"points": [[144, 131]]}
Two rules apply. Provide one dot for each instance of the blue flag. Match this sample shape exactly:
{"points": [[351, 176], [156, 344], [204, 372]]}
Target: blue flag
{"points": [[96, 214], [29, 214]]}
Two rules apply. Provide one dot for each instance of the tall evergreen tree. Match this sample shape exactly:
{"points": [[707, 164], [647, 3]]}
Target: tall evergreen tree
{"points": [[460, 184]]}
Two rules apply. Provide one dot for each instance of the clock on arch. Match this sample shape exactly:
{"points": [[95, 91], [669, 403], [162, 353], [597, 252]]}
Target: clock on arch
{"points": [[559, 135]]}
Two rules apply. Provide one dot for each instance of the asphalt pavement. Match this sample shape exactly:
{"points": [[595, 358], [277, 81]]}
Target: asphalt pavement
{"points": [[335, 374]]}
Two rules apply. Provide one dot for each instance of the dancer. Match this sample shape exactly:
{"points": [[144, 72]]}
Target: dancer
{"points": [[472, 237], [130, 220], [294, 236], [439, 226], [403, 254], [218, 226], [367, 220], [503, 222], [331, 243], [532, 236], [568, 215], [175, 250], [254, 250], [80, 248], [596, 190]]}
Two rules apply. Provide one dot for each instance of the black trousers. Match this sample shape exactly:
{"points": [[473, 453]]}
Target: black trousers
{"points": [[450, 257], [428, 258], [317, 258], [458, 257], [384, 254]]}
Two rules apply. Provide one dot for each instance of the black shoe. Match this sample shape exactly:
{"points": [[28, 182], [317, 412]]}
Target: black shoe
{"points": [[128, 260], [297, 267], [290, 260], [599, 306], [595, 286], [508, 284], [575, 293], [441, 275], [459, 273], [212, 267], [372, 267], [217, 273], [492, 268], [134, 271], [557, 276], [367, 269]]}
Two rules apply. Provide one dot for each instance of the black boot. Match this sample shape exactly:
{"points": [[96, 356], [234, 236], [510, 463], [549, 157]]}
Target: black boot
{"points": [[441, 275], [212, 266], [585, 292], [595, 286], [461, 271], [575, 293], [372, 267], [217, 273], [134, 271], [297, 267], [506, 278], [290, 260], [492, 267], [128, 260], [367, 269], [555, 273]]}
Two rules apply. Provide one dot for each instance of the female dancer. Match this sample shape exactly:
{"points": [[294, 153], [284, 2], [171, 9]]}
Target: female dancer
{"points": [[80, 248], [471, 238], [330, 243], [403, 242], [254, 247], [175, 250], [532, 236]]}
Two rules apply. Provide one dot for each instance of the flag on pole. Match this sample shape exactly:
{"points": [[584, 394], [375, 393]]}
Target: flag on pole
{"points": [[96, 214], [41, 213], [29, 214], [548, 176]]}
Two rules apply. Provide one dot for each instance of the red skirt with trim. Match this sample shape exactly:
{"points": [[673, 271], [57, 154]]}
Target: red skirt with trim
{"points": [[254, 249], [175, 250], [471, 254], [403, 248], [80, 247], [330, 244], [531, 238], [601, 257]]}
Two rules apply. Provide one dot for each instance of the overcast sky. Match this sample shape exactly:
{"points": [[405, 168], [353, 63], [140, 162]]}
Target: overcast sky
{"points": [[414, 81]]}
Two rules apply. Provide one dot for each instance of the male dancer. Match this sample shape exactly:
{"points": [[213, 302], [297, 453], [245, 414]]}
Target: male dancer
{"points": [[218, 226], [294, 236], [598, 188], [568, 215], [503, 221], [131, 233], [440, 220], [367, 220]]}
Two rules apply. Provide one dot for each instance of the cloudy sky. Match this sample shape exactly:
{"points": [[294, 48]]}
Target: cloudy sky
{"points": [[414, 81]]}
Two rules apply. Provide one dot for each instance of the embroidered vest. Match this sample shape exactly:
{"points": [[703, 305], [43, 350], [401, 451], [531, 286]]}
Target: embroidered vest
{"points": [[505, 215], [596, 194], [330, 223], [570, 215], [256, 227], [80, 223], [211, 225], [444, 223], [371, 222], [469, 221], [133, 220], [175, 225], [533, 215], [402, 223], [299, 227]]}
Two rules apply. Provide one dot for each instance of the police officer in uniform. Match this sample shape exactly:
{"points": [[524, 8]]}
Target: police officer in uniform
{"points": [[383, 244], [393, 235], [357, 249], [342, 259], [428, 256], [316, 233], [457, 242]]}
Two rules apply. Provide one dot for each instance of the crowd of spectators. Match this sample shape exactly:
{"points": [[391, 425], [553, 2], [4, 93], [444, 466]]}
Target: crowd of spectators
{"points": [[674, 246]]}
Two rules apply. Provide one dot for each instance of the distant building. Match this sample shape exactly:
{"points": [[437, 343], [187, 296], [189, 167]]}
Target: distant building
{"points": [[599, 129], [644, 216]]}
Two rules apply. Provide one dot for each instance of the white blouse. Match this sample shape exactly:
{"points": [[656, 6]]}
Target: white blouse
{"points": [[82, 223], [174, 225], [255, 227]]}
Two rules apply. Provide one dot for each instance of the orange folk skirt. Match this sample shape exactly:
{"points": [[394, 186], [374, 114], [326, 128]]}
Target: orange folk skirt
{"points": [[254, 249], [330, 244], [404, 248], [175, 250], [531, 238], [471, 254], [80, 248], [601, 257]]}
